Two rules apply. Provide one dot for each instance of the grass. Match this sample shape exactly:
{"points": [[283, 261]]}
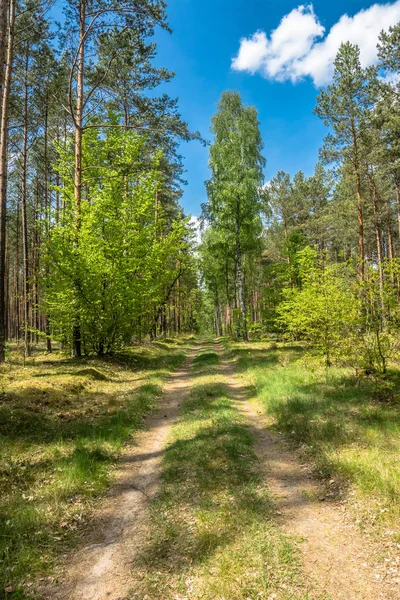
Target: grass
{"points": [[63, 424], [352, 438], [213, 534]]}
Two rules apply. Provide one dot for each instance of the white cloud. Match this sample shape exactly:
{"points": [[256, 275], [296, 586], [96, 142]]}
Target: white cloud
{"points": [[299, 48]]}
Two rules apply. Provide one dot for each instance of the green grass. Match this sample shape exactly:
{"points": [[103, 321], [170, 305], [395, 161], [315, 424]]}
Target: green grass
{"points": [[63, 424], [213, 534], [352, 438]]}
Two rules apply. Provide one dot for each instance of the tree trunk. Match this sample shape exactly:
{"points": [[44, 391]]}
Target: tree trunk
{"points": [[392, 252], [240, 277], [77, 341], [3, 42], [228, 298], [17, 329], [361, 248], [3, 175], [47, 216], [378, 237], [398, 203], [360, 217], [25, 248]]}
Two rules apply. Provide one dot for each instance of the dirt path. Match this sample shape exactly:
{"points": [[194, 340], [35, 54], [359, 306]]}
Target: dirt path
{"points": [[336, 558], [102, 569]]}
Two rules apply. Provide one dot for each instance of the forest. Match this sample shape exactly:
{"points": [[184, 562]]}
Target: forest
{"points": [[203, 410]]}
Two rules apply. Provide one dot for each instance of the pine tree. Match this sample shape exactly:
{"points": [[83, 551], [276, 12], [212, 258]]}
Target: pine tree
{"points": [[344, 106]]}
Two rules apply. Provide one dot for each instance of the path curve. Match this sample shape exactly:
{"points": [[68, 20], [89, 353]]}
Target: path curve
{"points": [[336, 557]]}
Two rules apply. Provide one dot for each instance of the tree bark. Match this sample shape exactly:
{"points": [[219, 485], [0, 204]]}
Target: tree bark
{"points": [[25, 248], [3, 42], [398, 203], [240, 277], [47, 212], [360, 217], [3, 174], [77, 341], [378, 237]]}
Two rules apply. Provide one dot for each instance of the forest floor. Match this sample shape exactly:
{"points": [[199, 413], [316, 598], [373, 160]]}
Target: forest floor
{"points": [[217, 497], [63, 427]]}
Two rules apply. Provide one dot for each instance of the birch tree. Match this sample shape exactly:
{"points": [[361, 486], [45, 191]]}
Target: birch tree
{"points": [[235, 187]]}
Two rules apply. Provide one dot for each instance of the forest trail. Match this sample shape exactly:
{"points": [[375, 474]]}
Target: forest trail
{"points": [[336, 558], [101, 570]]}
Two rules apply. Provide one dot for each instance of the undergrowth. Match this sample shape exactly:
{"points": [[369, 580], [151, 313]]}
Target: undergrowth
{"points": [[351, 435]]}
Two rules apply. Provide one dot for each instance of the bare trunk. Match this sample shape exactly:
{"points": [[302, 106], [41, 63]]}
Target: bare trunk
{"points": [[360, 218], [3, 41], [228, 308], [16, 279], [378, 245], [35, 266], [361, 249], [77, 341], [47, 216], [3, 175], [240, 277], [398, 203], [392, 252], [178, 307], [25, 248]]}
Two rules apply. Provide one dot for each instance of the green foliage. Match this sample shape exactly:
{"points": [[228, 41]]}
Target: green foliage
{"points": [[381, 316], [349, 321], [324, 310], [345, 104], [113, 268], [236, 163], [234, 200]]}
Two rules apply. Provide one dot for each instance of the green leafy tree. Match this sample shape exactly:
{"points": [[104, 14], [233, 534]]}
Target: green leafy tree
{"points": [[324, 310], [235, 187], [124, 258]]}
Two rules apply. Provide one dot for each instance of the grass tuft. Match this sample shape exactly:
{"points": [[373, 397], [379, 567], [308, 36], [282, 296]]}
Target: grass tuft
{"points": [[93, 373]]}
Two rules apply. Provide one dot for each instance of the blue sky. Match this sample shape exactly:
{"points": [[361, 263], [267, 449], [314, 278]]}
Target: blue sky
{"points": [[280, 76]]}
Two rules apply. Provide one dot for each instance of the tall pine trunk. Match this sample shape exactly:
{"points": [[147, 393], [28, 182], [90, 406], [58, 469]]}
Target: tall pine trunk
{"points": [[378, 237], [3, 42], [24, 175], [360, 216], [3, 176], [47, 214], [77, 336], [397, 183]]}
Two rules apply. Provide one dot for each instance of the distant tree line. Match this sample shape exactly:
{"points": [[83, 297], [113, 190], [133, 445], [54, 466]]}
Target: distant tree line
{"points": [[318, 257]]}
